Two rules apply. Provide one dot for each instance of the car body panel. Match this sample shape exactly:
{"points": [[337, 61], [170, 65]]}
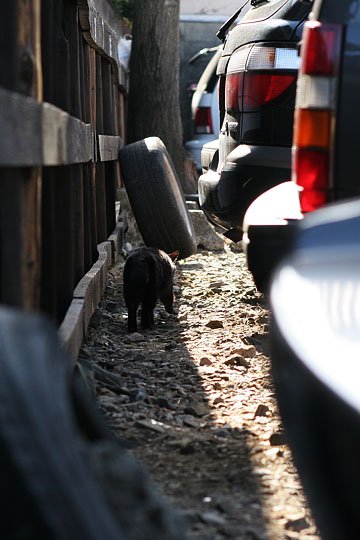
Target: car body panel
{"points": [[315, 342], [245, 175], [205, 95], [267, 233], [240, 176], [345, 182]]}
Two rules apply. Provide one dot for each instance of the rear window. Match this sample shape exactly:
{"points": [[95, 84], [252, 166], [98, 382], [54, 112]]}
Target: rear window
{"points": [[264, 11]]}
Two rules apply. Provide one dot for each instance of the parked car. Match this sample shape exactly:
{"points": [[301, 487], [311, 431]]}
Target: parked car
{"points": [[315, 342], [258, 71], [205, 108], [325, 167]]}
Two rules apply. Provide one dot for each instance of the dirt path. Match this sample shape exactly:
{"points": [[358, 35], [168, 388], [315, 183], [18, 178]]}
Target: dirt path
{"points": [[197, 404]]}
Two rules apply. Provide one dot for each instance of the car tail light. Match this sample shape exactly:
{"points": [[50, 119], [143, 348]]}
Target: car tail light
{"points": [[203, 122], [315, 113], [259, 74]]}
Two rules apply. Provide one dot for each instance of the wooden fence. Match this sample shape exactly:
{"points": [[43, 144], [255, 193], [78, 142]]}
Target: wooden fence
{"points": [[62, 116]]}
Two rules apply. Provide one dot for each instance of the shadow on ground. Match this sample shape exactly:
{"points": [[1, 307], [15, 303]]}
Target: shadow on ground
{"points": [[194, 445]]}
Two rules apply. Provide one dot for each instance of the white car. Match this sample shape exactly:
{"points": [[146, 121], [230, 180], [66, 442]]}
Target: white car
{"points": [[205, 109]]}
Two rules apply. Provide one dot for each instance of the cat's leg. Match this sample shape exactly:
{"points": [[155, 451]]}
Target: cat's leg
{"points": [[147, 310], [132, 310], [147, 317], [167, 297]]}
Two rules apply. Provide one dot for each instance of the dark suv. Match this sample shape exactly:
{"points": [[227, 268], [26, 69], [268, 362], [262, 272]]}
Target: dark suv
{"points": [[258, 71], [325, 143]]}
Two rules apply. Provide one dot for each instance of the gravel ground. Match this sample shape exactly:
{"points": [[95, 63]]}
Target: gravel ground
{"points": [[195, 403]]}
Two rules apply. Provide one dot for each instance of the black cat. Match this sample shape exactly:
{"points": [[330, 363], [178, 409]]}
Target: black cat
{"points": [[148, 276]]}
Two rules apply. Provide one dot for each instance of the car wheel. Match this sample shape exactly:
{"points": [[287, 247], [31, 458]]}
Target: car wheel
{"points": [[156, 197]]}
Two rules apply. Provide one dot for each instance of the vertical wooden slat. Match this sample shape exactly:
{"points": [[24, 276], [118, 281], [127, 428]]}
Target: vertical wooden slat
{"points": [[100, 168], [11, 238], [58, 259], [8, 44], [108, 129], [20, 190], [85, 92], [49, 252], [92, 179], [71, 29], [64, 212]]}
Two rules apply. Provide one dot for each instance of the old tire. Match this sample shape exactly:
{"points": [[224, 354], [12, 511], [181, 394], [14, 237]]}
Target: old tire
{"points": [[51, 492], [156, 197], [65, 476]]}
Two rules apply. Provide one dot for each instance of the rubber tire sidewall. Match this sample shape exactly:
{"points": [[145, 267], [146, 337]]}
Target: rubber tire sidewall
{"points": [[156, 197]]}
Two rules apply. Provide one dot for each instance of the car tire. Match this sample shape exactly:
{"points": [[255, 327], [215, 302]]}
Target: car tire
{"points": [[50, 489], [156, 197], [66, 475]]}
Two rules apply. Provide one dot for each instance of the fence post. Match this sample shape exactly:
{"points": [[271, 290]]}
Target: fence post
{"points": [[20, 189]]}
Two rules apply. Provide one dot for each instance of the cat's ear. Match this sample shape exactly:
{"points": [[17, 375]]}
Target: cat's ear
{"points": [[174, 255]]}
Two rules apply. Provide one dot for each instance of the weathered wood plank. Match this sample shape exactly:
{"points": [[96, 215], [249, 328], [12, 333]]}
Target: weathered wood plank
{"points": [[8, 44], [20, 125], [103, 30], [66, 139], [72, 34], [41, 134], [109, 147]]}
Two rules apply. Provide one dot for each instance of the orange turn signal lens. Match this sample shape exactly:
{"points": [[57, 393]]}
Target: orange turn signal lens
{"points": [[312, 128]]}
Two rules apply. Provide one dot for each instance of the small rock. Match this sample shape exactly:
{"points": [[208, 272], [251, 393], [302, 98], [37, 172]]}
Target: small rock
{"points": [[126, 249], [297, 525], [218, 400], [138, 395], [261, 410], [196, 409], [222, 432], [170, 346], [217, 386], [247, 351], [237, 361], [205, 361], [217, 284], [215, 324], [205, 233], [152, 424], [277, 439], [188, 449], [136, 337], [165, 403], [212, 518], [190, 422], [178, 443], [112, 307]]}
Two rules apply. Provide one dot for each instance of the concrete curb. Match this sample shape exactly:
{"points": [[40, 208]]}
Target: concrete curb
{"points": [[88, 293]]}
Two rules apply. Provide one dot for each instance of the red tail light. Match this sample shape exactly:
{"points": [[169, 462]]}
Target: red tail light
{"points": [[321, 48], [314, 117], [257, 75], [261, 89], [313, 168], [203, 121]]}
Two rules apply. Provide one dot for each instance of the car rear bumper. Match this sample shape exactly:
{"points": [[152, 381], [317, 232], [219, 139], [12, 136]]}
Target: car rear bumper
{"points": [[194, 148], [269, 226], [247, 172], [315, 348]]}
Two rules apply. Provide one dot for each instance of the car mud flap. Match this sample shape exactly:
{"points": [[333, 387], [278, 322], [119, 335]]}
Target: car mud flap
{"points": [[234, 234]]}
